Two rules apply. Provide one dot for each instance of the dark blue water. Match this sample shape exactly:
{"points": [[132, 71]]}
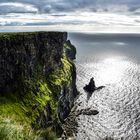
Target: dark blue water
{"points": [[114, 61]]}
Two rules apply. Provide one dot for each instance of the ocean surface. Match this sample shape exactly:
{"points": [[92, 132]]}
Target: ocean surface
{"points": [[114, 62]]}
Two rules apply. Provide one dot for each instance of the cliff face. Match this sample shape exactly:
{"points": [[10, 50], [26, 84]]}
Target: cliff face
{"points": [[68, 90], [21, 54], [37, 82]]}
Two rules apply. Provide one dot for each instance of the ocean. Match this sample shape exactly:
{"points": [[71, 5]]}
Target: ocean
{"points": [[114, 62]]}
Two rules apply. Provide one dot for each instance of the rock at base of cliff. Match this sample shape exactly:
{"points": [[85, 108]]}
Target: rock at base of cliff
{"points": [[91, 86]]}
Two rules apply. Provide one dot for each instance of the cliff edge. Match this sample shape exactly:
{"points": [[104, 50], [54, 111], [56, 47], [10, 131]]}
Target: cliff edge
{"points": [[37, 84]]}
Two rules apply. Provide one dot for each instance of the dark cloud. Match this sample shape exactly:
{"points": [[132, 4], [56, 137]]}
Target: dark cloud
{"points": [[52, 6], [138, 21]]}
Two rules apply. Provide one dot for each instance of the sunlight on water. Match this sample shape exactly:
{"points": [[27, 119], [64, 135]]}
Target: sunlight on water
{"points": [[117, 103], [120, 43], [112, 70], [114, 62]]}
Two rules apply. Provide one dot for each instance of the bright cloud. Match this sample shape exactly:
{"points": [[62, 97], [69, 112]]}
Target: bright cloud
{"points": [[71, 15]]}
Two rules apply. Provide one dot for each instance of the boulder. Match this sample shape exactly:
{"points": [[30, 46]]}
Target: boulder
{"points": [[90, 112], [87, 111]]}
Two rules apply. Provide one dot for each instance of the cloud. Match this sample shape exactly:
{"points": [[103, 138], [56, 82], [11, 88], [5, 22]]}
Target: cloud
{"points": [[12, 7], [85, 18], [55, 6], [72, 14], [68, 6]]}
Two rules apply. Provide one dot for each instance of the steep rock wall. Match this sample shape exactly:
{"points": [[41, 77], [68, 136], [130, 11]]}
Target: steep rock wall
{"points": [[37, 82], [22, 52]]}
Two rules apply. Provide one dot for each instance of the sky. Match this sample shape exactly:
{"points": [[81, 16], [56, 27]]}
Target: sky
{"points": [[70, 15]]}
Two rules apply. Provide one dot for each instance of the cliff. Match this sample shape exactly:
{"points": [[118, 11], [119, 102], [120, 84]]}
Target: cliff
{"points": [[37, 84]]}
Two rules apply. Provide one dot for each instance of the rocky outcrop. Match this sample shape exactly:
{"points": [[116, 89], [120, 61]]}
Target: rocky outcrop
{"points": [[87, 111], [37, 78], [70, 50], [91, 86]]}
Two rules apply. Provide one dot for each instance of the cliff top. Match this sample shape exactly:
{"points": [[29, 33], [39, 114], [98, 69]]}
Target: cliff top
{"points": [[31, 33]]}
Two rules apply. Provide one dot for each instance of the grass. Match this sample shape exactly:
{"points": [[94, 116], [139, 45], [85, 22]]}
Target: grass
{"points": [[11, 130]]}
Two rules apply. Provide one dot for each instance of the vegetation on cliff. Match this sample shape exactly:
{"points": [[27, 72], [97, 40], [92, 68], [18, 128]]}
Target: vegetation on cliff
{"points": [[29, 111]]}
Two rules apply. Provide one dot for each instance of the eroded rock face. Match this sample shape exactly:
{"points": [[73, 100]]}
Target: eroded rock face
{"points": [[21, 53]]}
